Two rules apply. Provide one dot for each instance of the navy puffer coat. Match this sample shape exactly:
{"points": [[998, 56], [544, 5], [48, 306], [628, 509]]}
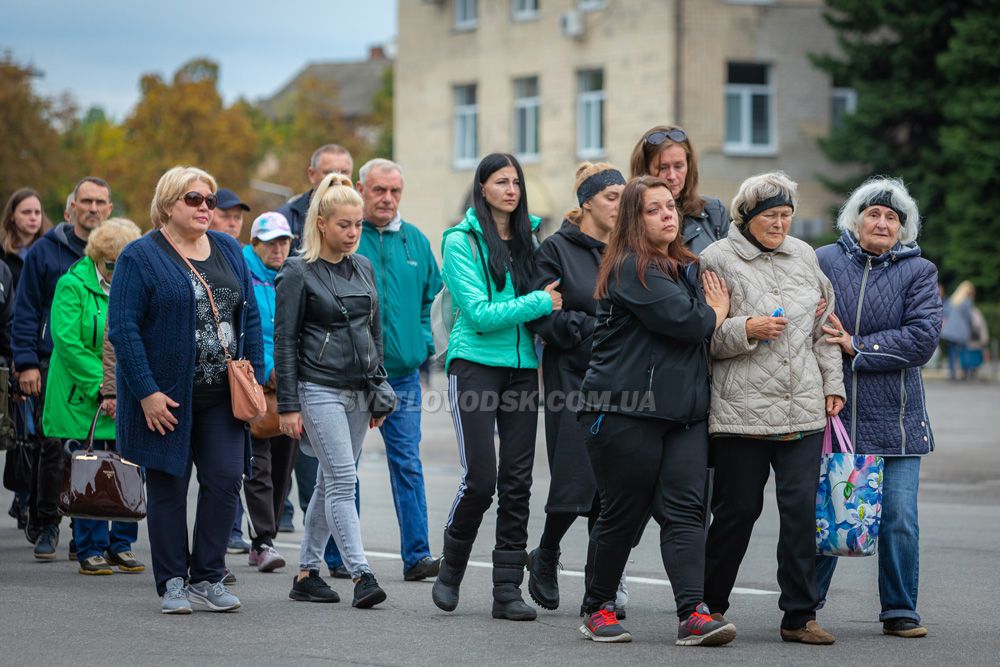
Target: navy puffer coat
{"points": [[892, 306]]}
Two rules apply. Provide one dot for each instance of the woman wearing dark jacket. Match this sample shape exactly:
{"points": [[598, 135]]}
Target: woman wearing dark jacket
{"points": [[665, 152], [572, 256], [174, 406], [887, 321], [645, 404], [23, 223], [327, 343]]}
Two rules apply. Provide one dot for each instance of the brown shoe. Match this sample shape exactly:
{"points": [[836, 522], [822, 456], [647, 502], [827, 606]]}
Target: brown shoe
{"points": [[812, 633]]}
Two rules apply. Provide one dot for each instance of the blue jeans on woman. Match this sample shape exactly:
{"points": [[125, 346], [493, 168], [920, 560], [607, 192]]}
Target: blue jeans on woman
{"points": [[401, 434], [898, 542]]}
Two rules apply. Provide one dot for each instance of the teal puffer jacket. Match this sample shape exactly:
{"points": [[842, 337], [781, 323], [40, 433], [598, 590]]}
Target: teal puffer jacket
{"points": [[487, 332]]}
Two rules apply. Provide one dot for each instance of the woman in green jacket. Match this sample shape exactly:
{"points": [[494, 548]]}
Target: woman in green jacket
{"points": [[73, 391], [493, 379]]}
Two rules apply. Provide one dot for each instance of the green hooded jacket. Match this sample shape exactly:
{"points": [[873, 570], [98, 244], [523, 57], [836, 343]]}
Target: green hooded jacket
{"points": [[79, 313], [487, 332]]}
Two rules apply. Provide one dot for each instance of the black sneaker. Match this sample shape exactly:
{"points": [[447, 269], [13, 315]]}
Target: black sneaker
{"points": [[903, 627], [425, 568], [340, 572], [603, 626], [48, 540], [367, 592], [312, 589], [700, 629]]}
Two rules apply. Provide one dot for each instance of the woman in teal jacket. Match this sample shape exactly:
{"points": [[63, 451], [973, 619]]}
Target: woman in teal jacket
{"points": [[493, 379], [73, 389]]}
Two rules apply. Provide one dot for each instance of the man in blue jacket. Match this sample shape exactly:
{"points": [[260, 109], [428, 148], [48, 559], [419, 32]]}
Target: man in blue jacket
{"points": [[407, 280], [270, 242], [31, 341], [327, 159]]}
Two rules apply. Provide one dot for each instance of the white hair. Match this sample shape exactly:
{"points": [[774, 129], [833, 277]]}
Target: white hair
{"points": [[849, 219], [758, 188], [379, 163]]}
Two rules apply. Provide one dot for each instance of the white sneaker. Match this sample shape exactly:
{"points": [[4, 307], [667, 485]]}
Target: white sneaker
{"points": [[621, 597], [268, 559]]}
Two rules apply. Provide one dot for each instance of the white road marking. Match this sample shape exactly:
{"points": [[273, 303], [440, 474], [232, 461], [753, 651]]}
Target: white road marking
{"points": [[569, 573]]}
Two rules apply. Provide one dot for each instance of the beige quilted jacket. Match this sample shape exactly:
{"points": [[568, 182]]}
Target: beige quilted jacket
{"points": [[778, 388]]}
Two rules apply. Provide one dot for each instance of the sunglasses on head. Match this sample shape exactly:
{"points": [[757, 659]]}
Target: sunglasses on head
{"points": [[195, 199], [676, 135]]}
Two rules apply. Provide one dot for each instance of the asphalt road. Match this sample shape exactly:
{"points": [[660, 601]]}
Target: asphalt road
{"points": [[50, 615]]}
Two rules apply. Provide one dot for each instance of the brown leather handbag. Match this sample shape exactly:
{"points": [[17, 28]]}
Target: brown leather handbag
{"points": [[268, 426], [102, 485], [247, 395]]}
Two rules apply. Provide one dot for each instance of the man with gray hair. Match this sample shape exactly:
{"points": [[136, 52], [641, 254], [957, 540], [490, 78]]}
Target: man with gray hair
{"points": [[407, 279], [327, 159]]}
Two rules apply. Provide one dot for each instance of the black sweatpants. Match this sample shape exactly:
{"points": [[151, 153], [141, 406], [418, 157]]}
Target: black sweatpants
{"points": [[742, 466], [645, 466], [217, 449], [265, 490], [48, 467], [486, 400]]}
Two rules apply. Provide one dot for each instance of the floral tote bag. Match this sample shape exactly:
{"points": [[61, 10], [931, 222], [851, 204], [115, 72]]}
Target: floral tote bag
{"points": [[848, 498]]}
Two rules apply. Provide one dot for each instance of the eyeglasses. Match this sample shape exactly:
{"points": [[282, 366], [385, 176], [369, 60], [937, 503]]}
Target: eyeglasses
{"points": [[109, 265], [676, 135], [195, 199]]}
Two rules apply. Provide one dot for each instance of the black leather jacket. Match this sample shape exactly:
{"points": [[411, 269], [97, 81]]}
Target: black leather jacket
{"points": [[311, 339], [704, 230]]}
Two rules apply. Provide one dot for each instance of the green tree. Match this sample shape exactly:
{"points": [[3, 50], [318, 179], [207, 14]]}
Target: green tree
{"points": [[970, 140], [30, 153]]}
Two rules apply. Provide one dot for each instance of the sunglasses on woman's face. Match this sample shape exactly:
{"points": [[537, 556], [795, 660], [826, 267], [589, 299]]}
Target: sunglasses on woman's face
{"points": [[109, 266], [195, 199], [676, 135]]}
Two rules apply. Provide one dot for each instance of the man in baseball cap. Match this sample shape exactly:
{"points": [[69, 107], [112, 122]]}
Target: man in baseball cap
{"points": [[228, 217], [265, 490]]}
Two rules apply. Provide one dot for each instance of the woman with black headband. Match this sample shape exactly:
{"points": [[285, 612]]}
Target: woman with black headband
{"points": [[774, 382], [572, 255], [665, 152], [886, 327]]}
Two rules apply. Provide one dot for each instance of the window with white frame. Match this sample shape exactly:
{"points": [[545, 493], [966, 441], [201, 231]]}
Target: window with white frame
{"points": [[591, 5], [590, 113], [843, 102], [525, 10], [749, 109], [466, 14], [527, 112], [466, 125]]}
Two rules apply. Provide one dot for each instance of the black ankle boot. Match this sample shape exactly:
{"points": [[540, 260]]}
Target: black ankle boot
{"points": [[543, 577], [508, 573], [449, 578]]}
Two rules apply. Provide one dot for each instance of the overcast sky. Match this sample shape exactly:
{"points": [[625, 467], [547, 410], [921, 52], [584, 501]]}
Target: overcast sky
{"points": [[98, 50]]}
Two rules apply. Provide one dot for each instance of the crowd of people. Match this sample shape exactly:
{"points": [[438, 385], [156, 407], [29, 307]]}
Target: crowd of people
{"points": [[685, 351]]}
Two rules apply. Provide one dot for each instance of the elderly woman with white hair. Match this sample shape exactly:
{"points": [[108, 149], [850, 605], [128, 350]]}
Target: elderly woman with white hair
{"points": [[886, 326], [182, 304], [774, 382]]}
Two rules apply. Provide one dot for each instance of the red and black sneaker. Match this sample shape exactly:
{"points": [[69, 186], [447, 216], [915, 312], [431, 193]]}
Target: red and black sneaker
{"points": [[603, 626], [700, 629]]}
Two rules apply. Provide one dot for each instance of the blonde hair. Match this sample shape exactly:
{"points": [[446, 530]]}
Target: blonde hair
{"points": [[964, 292], [760, 187], [334, 191], [583, 172], [172, 186], [849, 219], [110, 237]]}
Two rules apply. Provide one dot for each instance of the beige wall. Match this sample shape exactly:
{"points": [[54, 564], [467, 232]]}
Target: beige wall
{"points": [[634, 42]]}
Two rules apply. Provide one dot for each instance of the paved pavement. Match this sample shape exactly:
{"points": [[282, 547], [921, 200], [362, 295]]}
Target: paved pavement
{"points": [[49, 615]]}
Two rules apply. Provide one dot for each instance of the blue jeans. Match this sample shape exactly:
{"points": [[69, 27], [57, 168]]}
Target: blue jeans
{"points": [[955, 369], [401, 433], [898, 542], [92, 537]]}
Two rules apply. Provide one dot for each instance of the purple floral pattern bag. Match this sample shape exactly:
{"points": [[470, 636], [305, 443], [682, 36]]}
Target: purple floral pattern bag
{"points": [[848, 498]]}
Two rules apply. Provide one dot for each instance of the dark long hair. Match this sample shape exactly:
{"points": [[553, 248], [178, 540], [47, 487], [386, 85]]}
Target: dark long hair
{"points": [[689, 202], [520, 260], [629, 239], [10, 239]]}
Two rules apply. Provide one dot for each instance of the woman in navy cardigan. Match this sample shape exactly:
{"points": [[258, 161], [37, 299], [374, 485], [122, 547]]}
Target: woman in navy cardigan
{"points": [[174, 405]]}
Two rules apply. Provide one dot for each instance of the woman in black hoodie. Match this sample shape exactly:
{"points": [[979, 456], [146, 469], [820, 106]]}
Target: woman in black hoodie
{"points": [[572, 255]]}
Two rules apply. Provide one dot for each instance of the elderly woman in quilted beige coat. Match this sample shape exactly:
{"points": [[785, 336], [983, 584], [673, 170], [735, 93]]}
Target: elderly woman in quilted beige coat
{"points": [[774, 382]]}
